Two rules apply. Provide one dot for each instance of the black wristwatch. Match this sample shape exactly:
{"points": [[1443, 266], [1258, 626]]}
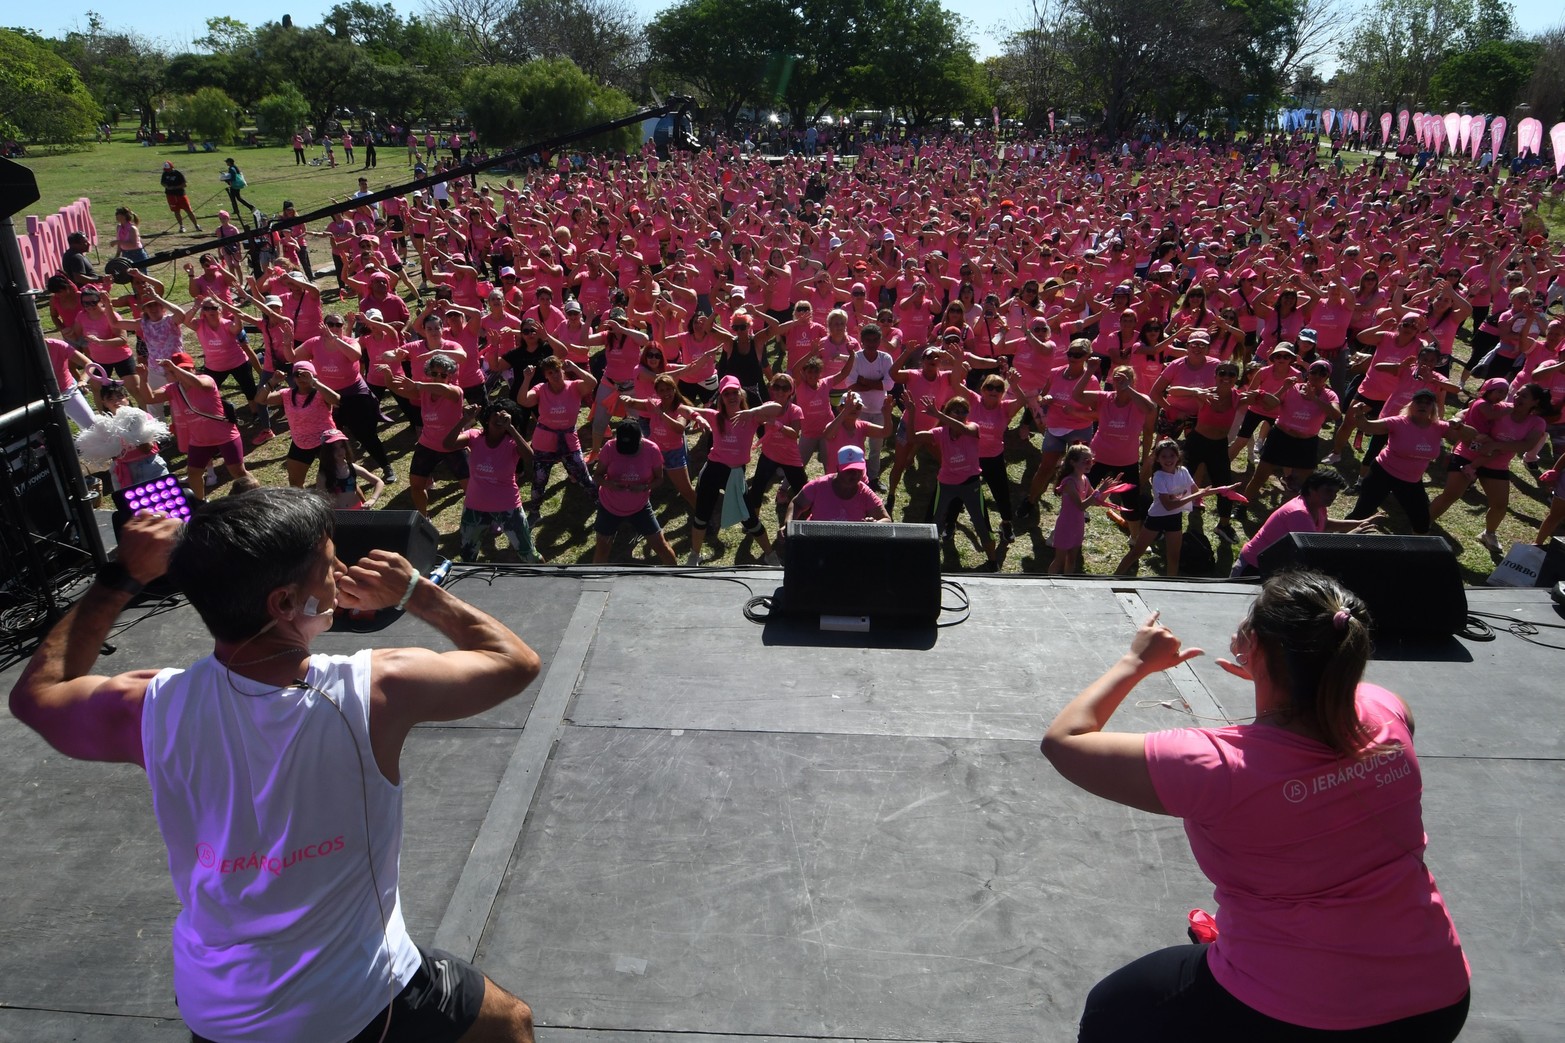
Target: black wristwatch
{"points": [[115, 576]]}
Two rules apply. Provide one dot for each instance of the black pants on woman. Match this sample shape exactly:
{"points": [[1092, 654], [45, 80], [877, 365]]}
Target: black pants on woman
{"points": [[1213, 452], [358, 414], [1170, 996], [1377, 485], [992, 470], [766, 471]]}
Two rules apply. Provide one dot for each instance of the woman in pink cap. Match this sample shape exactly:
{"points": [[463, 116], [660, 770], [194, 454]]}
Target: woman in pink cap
{"points": [[733, 444]]}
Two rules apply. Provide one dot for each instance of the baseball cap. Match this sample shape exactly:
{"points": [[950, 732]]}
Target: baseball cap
{"points": [[331, 434], [1423, 393], [273, 301], [1322, 366], [1308, 335], [305, 366], [834, 243], [223, 214], [182, 360], [728, 383], [851, 458], [168, 165], [507, 271]]}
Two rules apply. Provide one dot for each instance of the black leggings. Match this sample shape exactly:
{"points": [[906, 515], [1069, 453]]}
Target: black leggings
{"points": [[1171, 996], [1213, 452], [358, 413], [992, 470], [1377, 485], [709, 486], [766, 470]]}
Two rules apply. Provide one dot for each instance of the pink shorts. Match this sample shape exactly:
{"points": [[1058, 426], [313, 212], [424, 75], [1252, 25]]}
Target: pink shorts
{"points": [[232, 452]]}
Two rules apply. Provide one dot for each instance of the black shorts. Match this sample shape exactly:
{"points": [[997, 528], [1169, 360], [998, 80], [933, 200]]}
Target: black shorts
{"points": [[1285, 450], [425, 460], [302, 455], [1456, 463], [1253, 420], [1165, 522], [438, 1005], [642, 523], [122, 368]]}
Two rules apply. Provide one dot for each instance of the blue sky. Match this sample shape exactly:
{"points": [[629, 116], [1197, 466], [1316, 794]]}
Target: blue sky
{"points": [[178, 23]]}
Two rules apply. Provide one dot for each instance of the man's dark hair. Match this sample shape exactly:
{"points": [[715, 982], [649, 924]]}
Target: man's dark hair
{"points": [[239, 549]]}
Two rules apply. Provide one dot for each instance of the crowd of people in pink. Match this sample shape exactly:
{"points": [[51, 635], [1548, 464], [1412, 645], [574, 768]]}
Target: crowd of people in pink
{"points": [[1180, 331]]}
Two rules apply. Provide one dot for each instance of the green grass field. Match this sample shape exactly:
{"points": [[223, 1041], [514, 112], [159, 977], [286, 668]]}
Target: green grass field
{"points": [[123, 173]]}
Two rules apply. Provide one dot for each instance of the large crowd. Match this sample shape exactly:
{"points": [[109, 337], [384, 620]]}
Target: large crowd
{"points": [[1182, 330]]}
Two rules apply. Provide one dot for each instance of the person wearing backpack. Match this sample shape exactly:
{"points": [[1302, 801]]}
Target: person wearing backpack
{"points": [[235, 181]]}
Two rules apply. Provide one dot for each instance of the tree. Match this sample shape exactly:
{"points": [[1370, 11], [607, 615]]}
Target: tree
{"points": [[188, 73], [923, 64], [325, 67], [208, 115], [1489, 77], [601, 37], [514, 104], [236, 46], [1545, 93], [42, 99], [1393, 55], [281, 113], [719, 49]]}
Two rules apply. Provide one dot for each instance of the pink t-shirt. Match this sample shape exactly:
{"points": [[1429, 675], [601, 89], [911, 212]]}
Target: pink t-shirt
{"points": [[1410, 449], [1293, 516], [492, 469], [441, 414], [309, 417], [781, 447], [558, 412], [1117, 442], [958, 456], [1301, 415], [826, 505], [637, 468], [732, 441], [1327, 916]]}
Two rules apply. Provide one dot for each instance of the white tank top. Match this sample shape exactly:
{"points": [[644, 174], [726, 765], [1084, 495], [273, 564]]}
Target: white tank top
{"points": [[257, 794]]}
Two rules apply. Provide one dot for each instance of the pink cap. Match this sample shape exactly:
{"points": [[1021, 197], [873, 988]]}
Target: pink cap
{"points": [[728, 383]]}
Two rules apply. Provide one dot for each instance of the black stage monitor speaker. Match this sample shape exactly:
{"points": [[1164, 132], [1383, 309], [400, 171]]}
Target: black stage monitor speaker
{"points": [[408, 533], [1411, 583], [886, 571]]}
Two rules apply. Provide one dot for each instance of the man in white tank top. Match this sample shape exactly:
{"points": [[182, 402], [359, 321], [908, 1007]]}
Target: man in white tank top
{"points": [[275, 773]]}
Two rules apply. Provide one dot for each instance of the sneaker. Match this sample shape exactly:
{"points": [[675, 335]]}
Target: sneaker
{"points": [[262, 436], [772, 559], [1490, 540], [878, 485], [1007, 534], [389, 476], [693, 560], [1332, 458], [1225, 532]]}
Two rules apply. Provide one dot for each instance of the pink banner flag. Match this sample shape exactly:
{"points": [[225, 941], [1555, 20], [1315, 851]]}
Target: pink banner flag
{"points": [[1385, 128], [1453, 126], [1051, 121], [1363, 122], [1326, 118], [1420, 127], [1496, 135], [1475, 137], [1464, 127], [997, 119], [1529, 137], [1557, 139], [1402, 124]]}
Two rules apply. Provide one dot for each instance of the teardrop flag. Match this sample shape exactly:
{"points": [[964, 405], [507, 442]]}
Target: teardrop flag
{"points": [[1496, 135], [1402, 123], [1475, 137], [1529, 136], [1453, 126], [1557, 139], [1464, 127], [1385, 128], [1327, 117]]}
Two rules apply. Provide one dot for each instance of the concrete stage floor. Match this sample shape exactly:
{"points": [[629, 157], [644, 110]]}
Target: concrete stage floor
{"points": [[697, 826]]}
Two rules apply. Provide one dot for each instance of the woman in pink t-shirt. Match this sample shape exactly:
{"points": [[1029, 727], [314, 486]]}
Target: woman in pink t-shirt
{"points": [[493, 501], [559, 402], [1413, 440], [307, 405], [733, 430], [956, 441], [1514, 427], [1308, 822]]}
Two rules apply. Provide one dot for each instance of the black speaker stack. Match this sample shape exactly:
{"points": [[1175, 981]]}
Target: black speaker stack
{"points": [[1411, 584]]}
